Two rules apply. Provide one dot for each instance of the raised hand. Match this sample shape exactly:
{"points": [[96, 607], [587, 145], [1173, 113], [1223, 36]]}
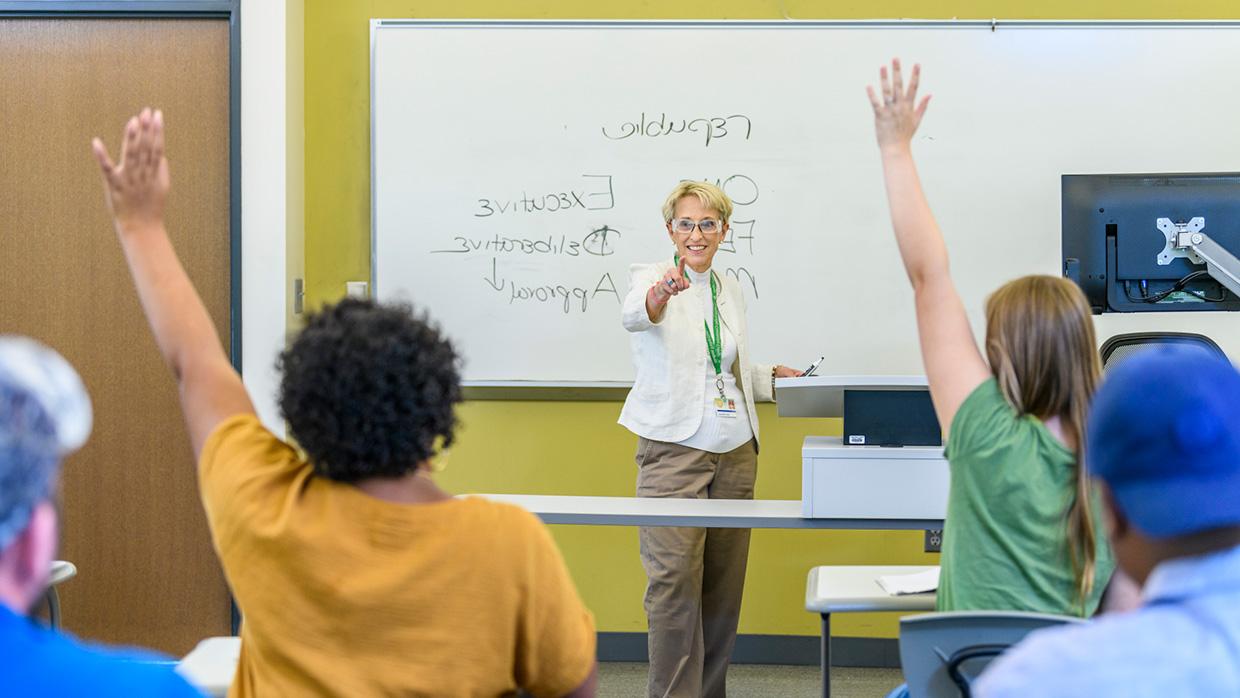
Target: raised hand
{"points": [[137, 187], [898, 115]]}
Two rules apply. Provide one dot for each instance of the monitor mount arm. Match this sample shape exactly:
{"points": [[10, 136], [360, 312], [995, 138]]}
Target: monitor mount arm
{"points": [[1187, 240]]}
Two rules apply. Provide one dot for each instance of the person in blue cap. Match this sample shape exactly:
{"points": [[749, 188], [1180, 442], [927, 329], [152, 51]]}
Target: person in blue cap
{"points": [[1163, 437], [45, 414]]}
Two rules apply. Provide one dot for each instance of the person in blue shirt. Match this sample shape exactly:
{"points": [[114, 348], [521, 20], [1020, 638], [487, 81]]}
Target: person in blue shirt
{"points": [[44, 415], [1164, 439]]}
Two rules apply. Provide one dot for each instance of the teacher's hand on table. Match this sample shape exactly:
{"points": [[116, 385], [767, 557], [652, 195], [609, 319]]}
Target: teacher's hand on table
{"points": [[785, 372]]}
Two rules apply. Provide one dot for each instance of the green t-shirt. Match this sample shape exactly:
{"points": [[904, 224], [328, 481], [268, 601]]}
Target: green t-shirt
{"points": [[1005, 540]]}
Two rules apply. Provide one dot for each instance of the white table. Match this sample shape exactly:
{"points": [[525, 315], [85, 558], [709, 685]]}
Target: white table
{"points": [[699, 513], [854, 588], [212, 664]]}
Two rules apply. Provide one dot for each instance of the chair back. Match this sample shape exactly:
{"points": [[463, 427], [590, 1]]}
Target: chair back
{"points": [[1121, 346], [941, 653]]}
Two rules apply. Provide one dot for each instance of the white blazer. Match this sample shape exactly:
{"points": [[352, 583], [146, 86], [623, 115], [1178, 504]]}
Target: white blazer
{"points": [[669, 394]]}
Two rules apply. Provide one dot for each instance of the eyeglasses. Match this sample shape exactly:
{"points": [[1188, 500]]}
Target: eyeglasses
{"points": [[708, 226]]}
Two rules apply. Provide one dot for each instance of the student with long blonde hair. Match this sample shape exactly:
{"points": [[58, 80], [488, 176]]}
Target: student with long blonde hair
{"points": [[1023, 529]]}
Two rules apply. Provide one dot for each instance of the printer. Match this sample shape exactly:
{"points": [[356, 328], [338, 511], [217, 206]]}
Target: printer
{"points": [[889, 462]]}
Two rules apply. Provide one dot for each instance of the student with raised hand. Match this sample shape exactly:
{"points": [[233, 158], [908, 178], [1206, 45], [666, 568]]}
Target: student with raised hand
{"points": [[45, 415], [1164, 440], [355, 574], [1022, 529]]}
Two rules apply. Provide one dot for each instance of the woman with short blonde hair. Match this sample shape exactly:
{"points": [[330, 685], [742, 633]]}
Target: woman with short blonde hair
{"points": [[692, 407]]}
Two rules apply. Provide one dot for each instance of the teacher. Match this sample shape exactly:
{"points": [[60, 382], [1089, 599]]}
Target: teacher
{"points": [[692, 407]]}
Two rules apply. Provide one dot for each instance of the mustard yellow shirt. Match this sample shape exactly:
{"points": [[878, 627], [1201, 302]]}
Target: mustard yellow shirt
{"points": [[345, 594]]}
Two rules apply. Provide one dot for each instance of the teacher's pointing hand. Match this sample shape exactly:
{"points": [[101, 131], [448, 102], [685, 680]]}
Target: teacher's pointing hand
{"points": [[672, 283]]}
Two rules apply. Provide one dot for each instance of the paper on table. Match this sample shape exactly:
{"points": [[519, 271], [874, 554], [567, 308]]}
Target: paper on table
{"points": [[917, 583]]}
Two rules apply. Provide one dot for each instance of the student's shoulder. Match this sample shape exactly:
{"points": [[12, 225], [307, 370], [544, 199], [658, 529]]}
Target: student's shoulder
{"points": [[1097, 658], [500, 512], [244, 437], [240, 431], [506, 522], [987, 425], [986, 400]]}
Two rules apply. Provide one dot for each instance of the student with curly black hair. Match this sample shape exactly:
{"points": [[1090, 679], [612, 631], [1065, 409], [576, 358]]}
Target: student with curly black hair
{"points": [[355, 573], [367, 390]]}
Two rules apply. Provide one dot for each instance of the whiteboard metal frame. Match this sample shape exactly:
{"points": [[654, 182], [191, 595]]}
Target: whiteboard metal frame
{"points": [[614, 390]]}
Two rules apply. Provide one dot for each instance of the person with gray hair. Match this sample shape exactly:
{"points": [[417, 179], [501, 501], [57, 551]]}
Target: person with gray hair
{"points": [[45, 415]]}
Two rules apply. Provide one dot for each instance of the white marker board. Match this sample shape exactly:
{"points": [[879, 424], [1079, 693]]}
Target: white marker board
{"points": [[518, 169]]}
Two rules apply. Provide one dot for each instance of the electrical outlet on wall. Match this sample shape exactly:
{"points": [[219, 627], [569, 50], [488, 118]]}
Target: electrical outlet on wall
{"points": [[934, 541], [356, 289]]}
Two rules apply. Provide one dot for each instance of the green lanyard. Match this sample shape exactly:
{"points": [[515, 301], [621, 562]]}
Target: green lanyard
{"points": [[714, 343]]}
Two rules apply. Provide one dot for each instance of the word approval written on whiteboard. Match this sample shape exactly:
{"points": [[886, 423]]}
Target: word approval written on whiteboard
{"points": [[568, 296], [711, 128]]}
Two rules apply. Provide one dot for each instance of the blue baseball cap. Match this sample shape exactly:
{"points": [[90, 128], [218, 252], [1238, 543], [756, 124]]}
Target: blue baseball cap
{"points": [[1164, 434]]}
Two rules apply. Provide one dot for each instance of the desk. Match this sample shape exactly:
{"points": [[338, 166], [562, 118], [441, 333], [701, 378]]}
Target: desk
{"points": [[212, 664], [698, 513], [854, 588]]}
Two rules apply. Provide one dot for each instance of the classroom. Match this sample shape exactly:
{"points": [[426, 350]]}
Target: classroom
{"points": [[498, 167]]}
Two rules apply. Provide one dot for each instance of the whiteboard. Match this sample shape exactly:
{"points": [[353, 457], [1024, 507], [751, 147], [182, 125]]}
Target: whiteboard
{"points": [[518, 169]]}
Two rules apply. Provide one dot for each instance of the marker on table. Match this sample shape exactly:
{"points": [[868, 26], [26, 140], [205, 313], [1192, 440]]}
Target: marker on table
{"points": [[812, 367]]}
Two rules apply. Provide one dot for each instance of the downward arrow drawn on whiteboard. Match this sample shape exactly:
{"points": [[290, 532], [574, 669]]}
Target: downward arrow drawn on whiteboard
{"points": [[494, 278]]}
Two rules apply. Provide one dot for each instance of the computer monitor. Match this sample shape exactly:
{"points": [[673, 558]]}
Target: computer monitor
{"points": [[1112, 243]]}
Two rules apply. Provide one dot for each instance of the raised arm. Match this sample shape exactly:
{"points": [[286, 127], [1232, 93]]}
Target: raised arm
{"points": [[136, 188], [954, 366]]}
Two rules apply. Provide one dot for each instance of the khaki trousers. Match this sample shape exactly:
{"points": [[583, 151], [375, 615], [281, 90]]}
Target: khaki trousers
{"points": [[695, 576]]}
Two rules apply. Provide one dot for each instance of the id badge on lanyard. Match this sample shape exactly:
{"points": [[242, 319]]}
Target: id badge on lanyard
{"points": [[725, 407]]}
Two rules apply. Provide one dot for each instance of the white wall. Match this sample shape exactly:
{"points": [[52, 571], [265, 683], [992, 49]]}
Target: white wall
{"points": [[265, 193]]}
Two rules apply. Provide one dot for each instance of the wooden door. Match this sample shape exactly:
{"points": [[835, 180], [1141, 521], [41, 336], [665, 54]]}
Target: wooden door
{"points": [[131, 518]]}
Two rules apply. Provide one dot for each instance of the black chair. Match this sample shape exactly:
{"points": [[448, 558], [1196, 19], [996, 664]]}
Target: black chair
{"points": [[941, 653], [1121, 346]]}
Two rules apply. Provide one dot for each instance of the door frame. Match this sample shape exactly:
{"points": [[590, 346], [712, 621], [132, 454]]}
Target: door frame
{"points": [[177, 9]]}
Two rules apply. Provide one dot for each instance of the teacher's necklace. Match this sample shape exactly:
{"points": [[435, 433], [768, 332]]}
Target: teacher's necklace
{"points": [[714, 343]]}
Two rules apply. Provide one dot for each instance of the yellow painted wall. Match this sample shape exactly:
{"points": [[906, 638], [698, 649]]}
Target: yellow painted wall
{"points": [[576, 448]]}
